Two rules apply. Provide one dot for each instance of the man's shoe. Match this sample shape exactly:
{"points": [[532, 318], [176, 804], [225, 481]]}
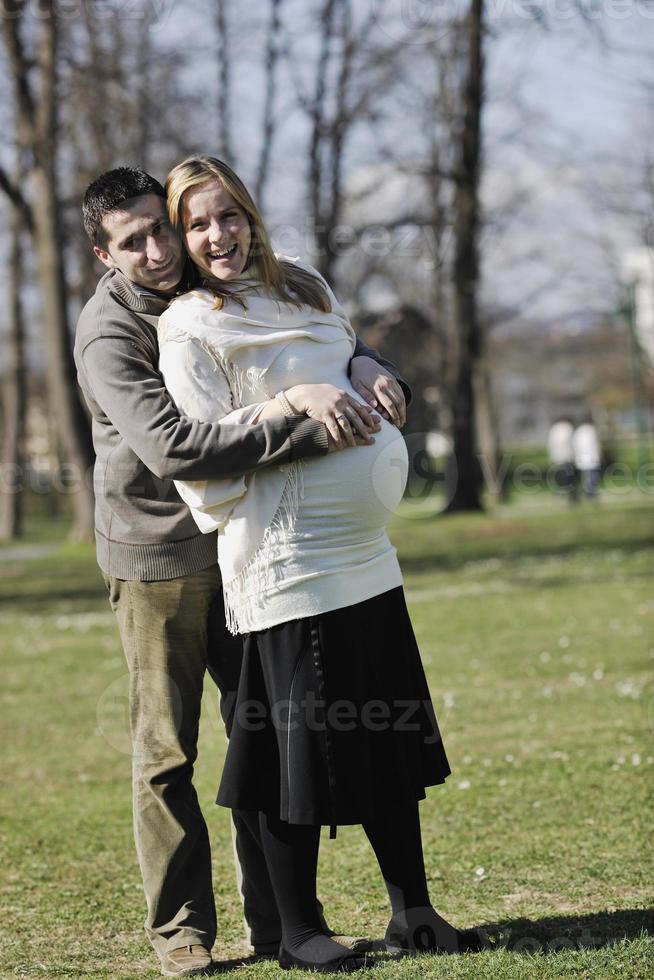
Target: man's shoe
{"points": [[359, 944], [187, 961]]}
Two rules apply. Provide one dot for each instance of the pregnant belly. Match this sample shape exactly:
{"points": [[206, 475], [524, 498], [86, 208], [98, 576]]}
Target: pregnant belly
{"points": [[357, 489]]}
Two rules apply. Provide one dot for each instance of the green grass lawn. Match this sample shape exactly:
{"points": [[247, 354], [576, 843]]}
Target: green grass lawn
{"points": [[537, 630]]}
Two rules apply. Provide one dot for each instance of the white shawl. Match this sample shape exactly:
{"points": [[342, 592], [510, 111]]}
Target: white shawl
{"points": [[226, 354]]}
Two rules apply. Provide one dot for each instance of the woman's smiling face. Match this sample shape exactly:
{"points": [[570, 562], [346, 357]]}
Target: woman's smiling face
{"points": [[216, 230]]}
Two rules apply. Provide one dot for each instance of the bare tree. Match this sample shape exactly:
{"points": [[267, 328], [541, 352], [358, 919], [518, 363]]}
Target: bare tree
{"points": [[443, 77], [225, 147], [37, 125], [14, 391], [107, 115], [464, 491], [144, 111], [319, 134], [268, 122], [86, 127], [351, 76]]}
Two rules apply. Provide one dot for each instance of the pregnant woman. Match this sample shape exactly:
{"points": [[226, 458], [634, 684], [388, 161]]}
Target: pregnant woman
{"points": [[334, 722]]}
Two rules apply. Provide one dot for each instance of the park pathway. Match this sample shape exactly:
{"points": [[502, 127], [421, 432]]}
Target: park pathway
{"points": [[25, 552]]}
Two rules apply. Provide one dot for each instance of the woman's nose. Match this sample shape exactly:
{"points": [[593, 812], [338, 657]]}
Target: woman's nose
{"points": [[215, 231]]}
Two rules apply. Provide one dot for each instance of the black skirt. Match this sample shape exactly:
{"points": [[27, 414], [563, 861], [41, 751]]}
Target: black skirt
{"points": [[333, 718]]}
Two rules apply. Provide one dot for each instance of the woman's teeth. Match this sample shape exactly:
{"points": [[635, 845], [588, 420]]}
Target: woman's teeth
{"points": [[224, 253]]}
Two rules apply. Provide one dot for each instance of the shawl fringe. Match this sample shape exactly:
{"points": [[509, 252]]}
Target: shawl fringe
{"points": [[259, 573]]}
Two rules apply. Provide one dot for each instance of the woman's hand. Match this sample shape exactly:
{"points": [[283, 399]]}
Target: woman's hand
{"points": [[349, 422], [379, 388]]}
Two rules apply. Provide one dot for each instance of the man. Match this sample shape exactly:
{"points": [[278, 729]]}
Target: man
{"points": [[160, 571]]}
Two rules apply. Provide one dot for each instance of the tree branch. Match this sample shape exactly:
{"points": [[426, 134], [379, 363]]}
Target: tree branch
{"points": [[15, 195]]}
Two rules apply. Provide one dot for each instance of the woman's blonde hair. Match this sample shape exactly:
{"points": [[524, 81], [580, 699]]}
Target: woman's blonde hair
{"points": [[290, 283]]}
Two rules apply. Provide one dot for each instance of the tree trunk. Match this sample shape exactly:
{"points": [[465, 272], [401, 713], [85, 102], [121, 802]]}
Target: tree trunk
{"points": [[490, 451], [316, 146], [90, 133], [72, 424], [65, 404], [225, 147], [14, 391], [337, 137], [268, 124], [142, 127], [36, 133], [464, 473]]}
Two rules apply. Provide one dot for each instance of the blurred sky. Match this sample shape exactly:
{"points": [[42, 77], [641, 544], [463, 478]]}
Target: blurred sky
{"points": [[593, 125]]}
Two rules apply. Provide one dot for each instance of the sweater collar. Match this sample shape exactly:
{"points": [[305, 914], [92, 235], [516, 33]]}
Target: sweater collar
{"points": [[134, 297]]}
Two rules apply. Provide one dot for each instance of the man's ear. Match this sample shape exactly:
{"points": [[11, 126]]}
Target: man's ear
{"points": [[104, 257]]}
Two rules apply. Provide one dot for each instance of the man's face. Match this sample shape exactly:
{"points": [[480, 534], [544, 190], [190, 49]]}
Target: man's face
{"points": [[141, 243]]}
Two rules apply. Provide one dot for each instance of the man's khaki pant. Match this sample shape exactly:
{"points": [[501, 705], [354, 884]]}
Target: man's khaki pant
{"points": [[172, 631]]}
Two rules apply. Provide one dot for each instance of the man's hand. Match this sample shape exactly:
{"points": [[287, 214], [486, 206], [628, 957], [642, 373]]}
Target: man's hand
{"points": [[379, 388]]}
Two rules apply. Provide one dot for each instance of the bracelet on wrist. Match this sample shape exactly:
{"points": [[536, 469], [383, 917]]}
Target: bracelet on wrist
{"points": [[286, 406]]}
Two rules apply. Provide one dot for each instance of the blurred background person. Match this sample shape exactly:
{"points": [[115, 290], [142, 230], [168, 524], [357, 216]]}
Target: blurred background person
{"points": [[587, 457], [562, 457]]}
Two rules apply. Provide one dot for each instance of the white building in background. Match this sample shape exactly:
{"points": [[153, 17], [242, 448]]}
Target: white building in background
{"points": [[638, 271]]}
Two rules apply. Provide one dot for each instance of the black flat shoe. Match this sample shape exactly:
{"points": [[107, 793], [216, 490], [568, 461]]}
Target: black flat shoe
{"points": [[470, 941], [346, 962], [421, 937]]}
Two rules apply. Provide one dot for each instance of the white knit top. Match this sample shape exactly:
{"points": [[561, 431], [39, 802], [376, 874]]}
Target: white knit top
{"points": [[301, 539]]}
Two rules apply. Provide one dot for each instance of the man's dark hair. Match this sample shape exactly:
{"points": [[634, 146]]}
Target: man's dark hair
{"points": [[110, 192]]}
